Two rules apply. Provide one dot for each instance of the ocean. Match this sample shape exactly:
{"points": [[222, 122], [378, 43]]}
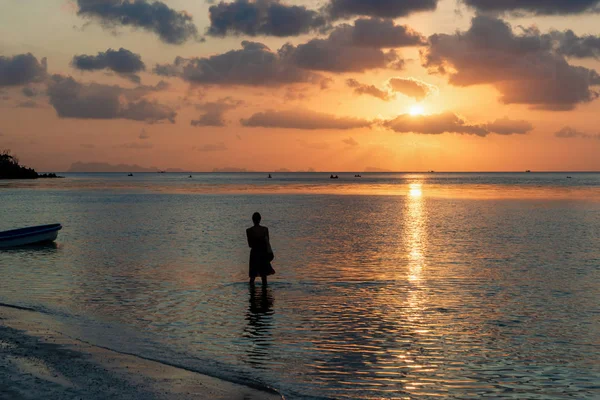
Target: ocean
{"points": [[388, 286]]}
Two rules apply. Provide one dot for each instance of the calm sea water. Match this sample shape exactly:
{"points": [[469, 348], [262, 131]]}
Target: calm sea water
{"points": [[387, 286]]}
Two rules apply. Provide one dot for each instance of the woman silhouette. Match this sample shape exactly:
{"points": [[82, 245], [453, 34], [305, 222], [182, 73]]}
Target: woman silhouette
{"points": [[261, 254]]}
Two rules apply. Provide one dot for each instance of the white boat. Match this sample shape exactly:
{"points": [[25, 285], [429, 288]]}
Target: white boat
{"points": [[30, 235]]}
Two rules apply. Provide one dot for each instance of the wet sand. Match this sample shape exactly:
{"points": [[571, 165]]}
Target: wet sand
{"points": [[38, 363]]}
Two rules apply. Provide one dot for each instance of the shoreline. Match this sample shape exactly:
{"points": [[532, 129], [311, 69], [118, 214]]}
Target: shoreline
{"points": [[39, 363]]}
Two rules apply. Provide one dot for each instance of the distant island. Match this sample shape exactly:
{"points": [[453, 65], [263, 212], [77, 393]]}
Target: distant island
{"points": [[106, 167], [11, 169]]}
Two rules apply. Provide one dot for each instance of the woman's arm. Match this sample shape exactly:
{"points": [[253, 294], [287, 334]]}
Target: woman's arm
{"points": [[248, 237]]}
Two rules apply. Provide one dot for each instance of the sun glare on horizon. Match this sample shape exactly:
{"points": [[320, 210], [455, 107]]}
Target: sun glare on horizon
{"points": [[417, 109]]}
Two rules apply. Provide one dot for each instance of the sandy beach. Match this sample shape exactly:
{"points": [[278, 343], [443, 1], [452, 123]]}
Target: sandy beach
{"points": [[38, 363]]}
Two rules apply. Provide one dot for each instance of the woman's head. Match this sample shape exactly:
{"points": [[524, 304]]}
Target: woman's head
{"points": [[256, 218]]}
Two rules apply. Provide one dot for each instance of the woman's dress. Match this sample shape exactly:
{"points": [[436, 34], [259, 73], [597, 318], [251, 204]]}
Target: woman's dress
{"points": [[260, 259]]}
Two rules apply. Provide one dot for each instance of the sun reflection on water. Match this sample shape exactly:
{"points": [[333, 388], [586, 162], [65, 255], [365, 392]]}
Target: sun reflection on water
{"points": [[415, 231]]}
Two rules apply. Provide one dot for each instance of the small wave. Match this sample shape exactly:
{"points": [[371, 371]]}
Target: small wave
{"points": [[210, 368]]}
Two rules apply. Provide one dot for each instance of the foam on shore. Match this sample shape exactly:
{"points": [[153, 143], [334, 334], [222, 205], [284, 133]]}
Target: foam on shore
{"points": [[39, 362]]}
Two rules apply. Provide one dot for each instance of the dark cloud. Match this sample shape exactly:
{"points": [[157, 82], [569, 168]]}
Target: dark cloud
{"points": [[378, 8], [355, 48], [122, 61], [570, 45], [524, 68], [262, 18], [211, 147], [214, 112], [72, 99], [570, 133], [255, 64], [538, 7], [370, 90], [412, 87], [21, 70], [173, 27], [383, 33], [349, 48], [437, 124], [303, 119]]}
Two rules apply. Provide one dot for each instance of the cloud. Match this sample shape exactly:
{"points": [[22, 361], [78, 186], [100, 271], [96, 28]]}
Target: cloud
{"points": [[349, 48], [211, 147], [214, 112], [350, 142], [72, 99], [570, 45], [370, 90], [254, 65], [173, 27], [303, 119], [355, 48], [505, 126], [378, 8], [523, 67], [570, 133], [448, 122], [382, 33], [21, 70], [538, 7], [262, 18], [412, 87], [122, 61]]}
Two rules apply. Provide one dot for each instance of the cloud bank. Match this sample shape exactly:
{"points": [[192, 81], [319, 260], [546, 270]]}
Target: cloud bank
{"points": [[525, 68], [448, 122], [72, 99]]}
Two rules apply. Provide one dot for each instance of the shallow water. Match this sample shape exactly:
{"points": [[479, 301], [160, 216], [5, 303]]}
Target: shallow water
{"points": [[387, 286]]}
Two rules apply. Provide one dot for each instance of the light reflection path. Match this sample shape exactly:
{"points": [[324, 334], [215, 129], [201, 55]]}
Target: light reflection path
{"points": [[415, 237]]}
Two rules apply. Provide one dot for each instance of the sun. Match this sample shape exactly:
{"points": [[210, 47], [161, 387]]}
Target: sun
{"points": [[417, 109]]}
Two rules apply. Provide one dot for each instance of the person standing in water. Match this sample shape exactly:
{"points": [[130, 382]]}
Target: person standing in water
{"points": [[261, 254]]}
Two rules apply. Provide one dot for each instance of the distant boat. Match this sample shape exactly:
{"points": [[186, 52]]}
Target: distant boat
{"points": [[130, 175], [31, 235], [334, 177], [161, 172], [528, 171]]}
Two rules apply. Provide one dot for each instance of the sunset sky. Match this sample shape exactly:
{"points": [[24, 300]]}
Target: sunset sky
{"points": [[332, 85]]}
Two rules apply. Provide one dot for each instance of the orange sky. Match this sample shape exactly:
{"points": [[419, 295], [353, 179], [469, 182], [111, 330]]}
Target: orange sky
{"points": [[497, 105]]}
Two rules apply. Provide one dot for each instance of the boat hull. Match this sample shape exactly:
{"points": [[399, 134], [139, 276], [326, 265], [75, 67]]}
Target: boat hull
{"points": [[28, 236]]}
